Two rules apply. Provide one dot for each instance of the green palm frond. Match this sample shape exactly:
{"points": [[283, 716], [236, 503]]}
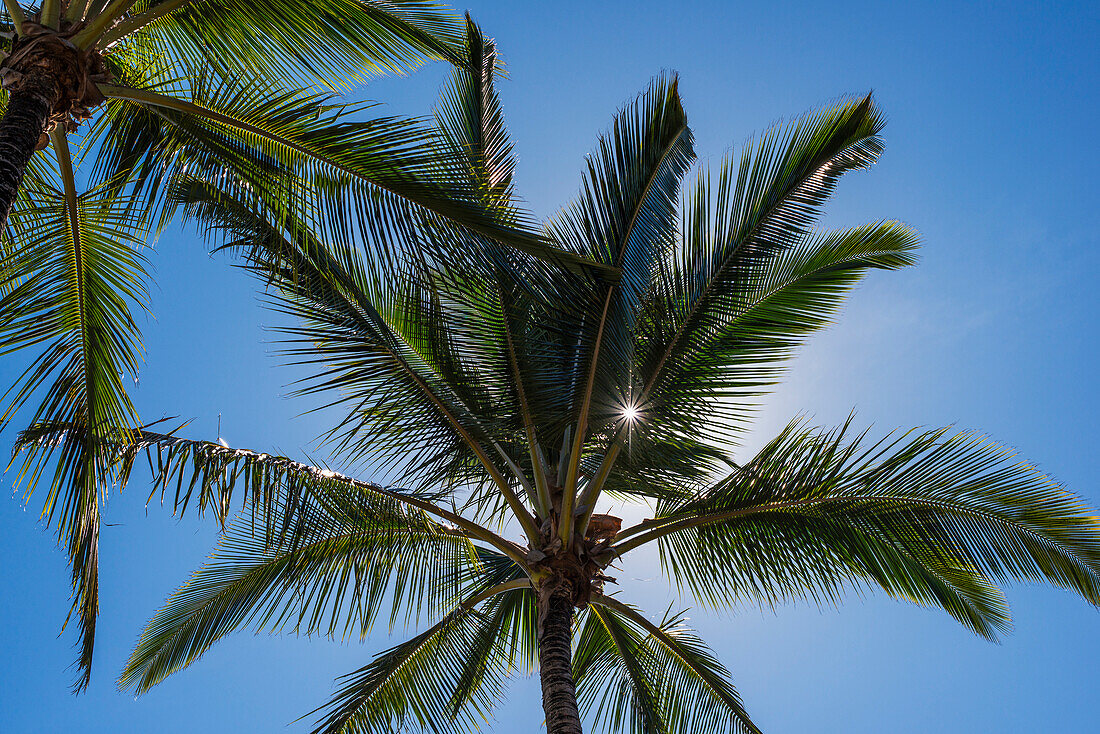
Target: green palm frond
{"points": [[385, 348], [624, 217], [298, 149], [704, 379], [347, 40], [329, 573], [492, 294], [933, 518], [445, 679], [732, 232], [276, 489], [71, 287], [73, 284], [644, 678], [690, 687], [471, 119], [618, 681]]}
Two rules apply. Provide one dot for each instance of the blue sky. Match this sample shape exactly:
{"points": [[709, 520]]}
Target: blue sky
{"points": [[991, 111]]}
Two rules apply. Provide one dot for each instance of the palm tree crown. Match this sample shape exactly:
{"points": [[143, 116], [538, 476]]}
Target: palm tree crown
{"points": [[509, 396]]}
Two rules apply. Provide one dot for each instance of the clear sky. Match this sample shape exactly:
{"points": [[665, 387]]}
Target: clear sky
{"points": [[991, 153]]}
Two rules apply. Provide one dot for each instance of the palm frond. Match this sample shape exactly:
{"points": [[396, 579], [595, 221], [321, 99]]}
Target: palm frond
{"points": [[693, 688], [348, 40], [387, 351], [329, 573], [472, 120], [70, 288], [760, 210], [623, 218], [494, 294], [338, 162], [705, 380], [616, 675], [446, 679], [276, 489], [929, 517]]}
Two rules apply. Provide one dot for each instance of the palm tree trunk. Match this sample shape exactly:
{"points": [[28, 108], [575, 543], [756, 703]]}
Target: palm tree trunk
{"points": [[559, 694], [21, 127]]}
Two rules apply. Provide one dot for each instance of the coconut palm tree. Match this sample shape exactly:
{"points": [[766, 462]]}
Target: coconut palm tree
{"points": [[170, 87], [503, 399]]}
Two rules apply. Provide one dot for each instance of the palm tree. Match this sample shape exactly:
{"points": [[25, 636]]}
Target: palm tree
{"points": [[507, 398], [172, 88]]}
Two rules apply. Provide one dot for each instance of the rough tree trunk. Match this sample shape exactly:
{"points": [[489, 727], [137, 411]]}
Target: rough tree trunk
{"points": [[49, 82], [20, 129], [559, 694]]}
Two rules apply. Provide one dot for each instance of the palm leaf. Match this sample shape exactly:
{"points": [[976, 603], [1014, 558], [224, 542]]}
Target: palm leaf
{"points": [[735, 348], [329, 573], [623, 218], [347, 39], [387, 351], [350, 161], [446, 679], [616, 673], [274, 488], [472, 120], [929, 517], [70, 288], [761, 209], [693, 688]]}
